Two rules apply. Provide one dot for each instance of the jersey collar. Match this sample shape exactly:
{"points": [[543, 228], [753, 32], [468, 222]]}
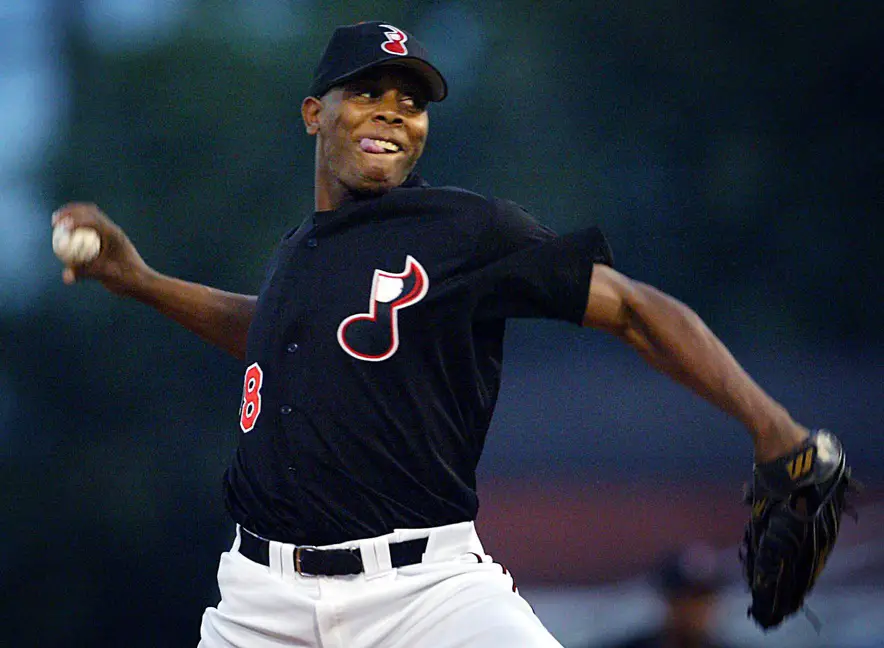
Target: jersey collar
{"points": [[342, 213]]}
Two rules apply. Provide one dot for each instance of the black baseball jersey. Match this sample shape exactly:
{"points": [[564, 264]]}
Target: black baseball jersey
{"points": [[374, 358]]}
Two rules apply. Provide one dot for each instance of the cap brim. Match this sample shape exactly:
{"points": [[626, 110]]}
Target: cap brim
{"points": [[434, 79]]}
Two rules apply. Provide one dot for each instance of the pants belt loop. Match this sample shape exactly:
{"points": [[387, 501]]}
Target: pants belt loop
{"points": [[287, 560], [376, 559], [451, 541], [275, 553]]}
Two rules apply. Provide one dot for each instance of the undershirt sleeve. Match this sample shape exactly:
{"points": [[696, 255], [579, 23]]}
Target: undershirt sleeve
{"points": [[533, 273]]}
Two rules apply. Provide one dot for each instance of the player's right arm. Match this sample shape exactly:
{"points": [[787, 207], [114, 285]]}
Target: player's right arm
{"points": [[219, 317], [673, 339]]}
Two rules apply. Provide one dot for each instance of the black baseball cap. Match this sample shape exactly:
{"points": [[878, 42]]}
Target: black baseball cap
{"points": [[353, 49]]}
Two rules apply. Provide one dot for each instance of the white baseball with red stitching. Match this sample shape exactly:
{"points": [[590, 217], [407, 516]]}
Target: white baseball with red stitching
{"points": [[77, 246]]}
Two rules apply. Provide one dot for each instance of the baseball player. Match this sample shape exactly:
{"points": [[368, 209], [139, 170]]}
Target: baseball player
{"points": [[372, 358]]}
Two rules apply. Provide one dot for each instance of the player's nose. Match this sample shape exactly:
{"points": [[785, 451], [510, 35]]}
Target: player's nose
{"points": [[388, 109], [388, 117]]}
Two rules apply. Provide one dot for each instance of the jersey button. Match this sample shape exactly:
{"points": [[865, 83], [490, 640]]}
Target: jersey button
{"points": [[285, 409], [291, 348], [311, 243]]}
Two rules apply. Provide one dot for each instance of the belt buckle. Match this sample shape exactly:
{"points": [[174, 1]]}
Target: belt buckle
{"points": [[298, 551]]}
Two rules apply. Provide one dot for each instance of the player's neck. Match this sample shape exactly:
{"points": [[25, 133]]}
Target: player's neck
{"points": [[327, 196], [330, 195]]}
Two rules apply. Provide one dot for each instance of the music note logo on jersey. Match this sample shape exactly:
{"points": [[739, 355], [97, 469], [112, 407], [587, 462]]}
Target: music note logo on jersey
{"points": [[374, 336]]}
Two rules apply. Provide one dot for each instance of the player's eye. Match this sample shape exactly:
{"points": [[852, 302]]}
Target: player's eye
{"points": [[414, 103], [362, 92]]}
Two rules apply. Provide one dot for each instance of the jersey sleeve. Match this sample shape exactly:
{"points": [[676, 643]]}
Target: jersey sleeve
{"points": [[531, 272]]}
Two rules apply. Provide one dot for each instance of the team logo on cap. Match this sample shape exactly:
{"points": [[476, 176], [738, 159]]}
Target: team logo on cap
{"points": [[395, 43], [374, 336]]}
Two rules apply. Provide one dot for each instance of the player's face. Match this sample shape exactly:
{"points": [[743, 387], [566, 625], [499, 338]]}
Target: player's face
{"points": [[370, 133]]}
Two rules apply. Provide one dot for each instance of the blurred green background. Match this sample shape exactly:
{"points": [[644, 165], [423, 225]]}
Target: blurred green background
{"points": [[732, 153]]}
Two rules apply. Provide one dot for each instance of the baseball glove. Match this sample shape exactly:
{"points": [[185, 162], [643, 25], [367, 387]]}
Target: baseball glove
{"points": [[797, 502]]}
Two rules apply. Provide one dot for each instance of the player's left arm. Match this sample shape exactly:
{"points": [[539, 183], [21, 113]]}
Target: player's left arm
{"points": [[800, 480], [673, 339]]}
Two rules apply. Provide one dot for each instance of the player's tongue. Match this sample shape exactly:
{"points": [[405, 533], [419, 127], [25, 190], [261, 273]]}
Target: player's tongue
{"points": [[372, 146]]}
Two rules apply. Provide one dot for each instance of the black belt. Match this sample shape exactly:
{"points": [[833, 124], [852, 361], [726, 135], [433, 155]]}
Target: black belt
{"points": [[330, 562]]}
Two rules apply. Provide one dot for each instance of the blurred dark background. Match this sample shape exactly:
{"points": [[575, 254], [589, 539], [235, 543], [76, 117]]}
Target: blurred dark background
{"points": [[732, 153]]}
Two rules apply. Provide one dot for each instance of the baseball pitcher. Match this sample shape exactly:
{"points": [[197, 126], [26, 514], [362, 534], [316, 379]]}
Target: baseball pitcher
{"points": [[371, 366]]}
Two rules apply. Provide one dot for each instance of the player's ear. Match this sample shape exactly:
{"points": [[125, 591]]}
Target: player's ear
{"points": [[310, 109]]}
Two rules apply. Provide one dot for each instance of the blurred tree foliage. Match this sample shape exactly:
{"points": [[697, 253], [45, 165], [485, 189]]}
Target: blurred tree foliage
{"points": [[732, 155]]}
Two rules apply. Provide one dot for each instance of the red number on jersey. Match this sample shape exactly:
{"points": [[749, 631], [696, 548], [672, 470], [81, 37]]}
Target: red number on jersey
{"points": [[251, 397]]}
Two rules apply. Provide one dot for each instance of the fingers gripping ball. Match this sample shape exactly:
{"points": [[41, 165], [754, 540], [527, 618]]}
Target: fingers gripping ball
{"points": [[77, 246]]}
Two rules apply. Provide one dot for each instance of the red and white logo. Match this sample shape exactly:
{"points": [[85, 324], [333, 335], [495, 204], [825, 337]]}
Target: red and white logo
{"points": [[395, 43], [374, 336], [250, 406]]}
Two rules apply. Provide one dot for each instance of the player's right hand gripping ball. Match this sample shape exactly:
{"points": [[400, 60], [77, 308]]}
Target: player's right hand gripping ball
{"points": [[797, 502], [77, 246]]}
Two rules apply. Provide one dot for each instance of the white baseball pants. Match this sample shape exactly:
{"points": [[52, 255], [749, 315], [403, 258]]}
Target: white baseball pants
{"points": [[456, 598]]}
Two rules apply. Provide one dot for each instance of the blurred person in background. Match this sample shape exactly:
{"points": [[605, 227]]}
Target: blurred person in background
{"points": [[688, 581]]}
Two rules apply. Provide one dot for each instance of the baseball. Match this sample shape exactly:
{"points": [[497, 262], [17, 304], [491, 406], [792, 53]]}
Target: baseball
{"points": [[77, 246]]}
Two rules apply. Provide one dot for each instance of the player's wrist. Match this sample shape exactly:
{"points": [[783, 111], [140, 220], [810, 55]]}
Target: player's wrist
{"points": [[138, 281], [778, 438]]}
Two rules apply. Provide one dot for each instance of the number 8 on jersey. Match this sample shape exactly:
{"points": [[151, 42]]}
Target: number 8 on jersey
{"points": [[250, 407]]}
